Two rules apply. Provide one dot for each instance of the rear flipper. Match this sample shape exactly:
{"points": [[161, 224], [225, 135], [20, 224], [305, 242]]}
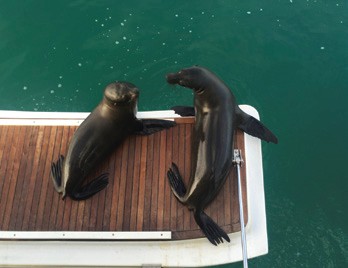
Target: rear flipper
{"points": [[184, 110], [56, 174], [90, 188], [255, 128], [176, 182], [211, 230], [150, 126]]}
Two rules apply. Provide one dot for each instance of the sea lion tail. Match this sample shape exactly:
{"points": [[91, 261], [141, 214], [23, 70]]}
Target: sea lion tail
{"points": [[211, 230], [254, 127]]}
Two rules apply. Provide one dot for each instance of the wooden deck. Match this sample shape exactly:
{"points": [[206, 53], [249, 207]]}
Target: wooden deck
{"points": [[138, 197]]}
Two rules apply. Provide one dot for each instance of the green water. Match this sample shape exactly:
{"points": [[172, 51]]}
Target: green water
{"points": [[288, 59]]}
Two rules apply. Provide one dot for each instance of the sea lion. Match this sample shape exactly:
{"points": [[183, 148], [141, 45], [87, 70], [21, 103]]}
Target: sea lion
{"points": [[217, 118], [109, 124]]}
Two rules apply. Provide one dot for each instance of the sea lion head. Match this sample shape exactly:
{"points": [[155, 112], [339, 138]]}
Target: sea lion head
{"points": [[121, 94], [193, 77]]}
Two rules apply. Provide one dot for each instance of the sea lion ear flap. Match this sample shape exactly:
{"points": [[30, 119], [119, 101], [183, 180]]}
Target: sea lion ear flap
{"points": [[254, 127]]}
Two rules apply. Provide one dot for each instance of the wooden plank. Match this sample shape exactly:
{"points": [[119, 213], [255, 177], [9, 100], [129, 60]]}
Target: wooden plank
{"points": [[116, 178], [42, 215], [129, 180], [12, 175], [39, 144], [135, 185], [154, 185], [4, 140], [46, 153], [19, 173], [142, 183], [138, 197], [175, 159], [162, 179], [26, 172], [122, 189], [148, 184], [167, 191]]}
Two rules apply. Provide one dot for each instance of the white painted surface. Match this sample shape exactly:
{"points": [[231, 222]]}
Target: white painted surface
{"points": [[15, 118], [46, 235], [185, 253]]}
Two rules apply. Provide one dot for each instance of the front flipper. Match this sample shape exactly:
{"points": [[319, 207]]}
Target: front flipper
{"points": [[211, 230], [254, 127], [150, 126], [176, 182], [90, 188], [184, 110], [56, 174]]}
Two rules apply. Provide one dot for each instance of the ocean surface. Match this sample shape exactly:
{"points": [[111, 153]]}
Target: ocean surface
{"points": [[287, 58]]}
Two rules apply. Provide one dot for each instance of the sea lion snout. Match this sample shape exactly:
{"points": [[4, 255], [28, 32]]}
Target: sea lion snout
{"points": [[173, 78]]}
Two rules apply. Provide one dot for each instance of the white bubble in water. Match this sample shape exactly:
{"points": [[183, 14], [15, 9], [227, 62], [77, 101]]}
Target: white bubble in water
{"points": [[124, 38], [117, 42], [79, 64], [60, 77], [52, 91], [176, 15], [322, 48], [248, 12], [261, 9], [122, 24], [102, 25], [163, 44], [25, 88], [96, 20], [59, 85]]}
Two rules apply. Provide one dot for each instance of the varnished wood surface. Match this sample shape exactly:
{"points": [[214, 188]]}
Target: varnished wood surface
{"points": [[138, 197]]}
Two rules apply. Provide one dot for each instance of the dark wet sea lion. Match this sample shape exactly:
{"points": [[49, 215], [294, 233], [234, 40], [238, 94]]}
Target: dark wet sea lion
{"points": [[109, 124], [217, 118]]}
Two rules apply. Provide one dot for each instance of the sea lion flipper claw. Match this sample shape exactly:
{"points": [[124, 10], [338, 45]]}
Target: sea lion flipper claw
{"points": [[56, 174], [176, 182], [211, 230], [91, 188]]}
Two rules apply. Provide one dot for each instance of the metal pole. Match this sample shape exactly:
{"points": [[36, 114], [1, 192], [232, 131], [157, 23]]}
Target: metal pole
{"points": [[238, 162]]}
